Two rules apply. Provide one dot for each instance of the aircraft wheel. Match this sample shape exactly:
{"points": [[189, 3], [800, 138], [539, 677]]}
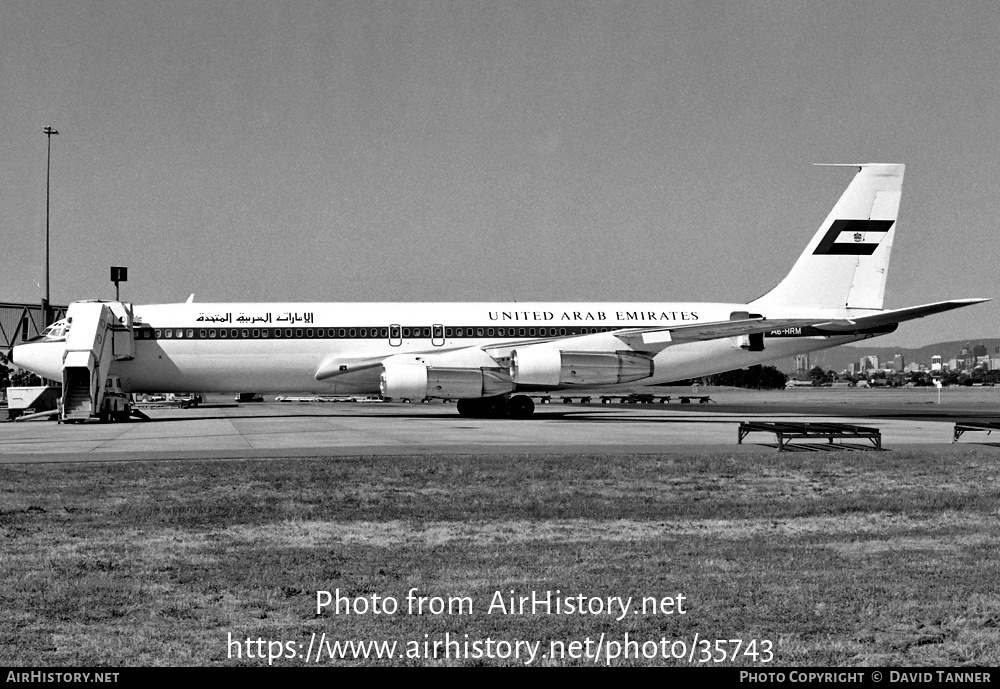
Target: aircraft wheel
{"points": [[497, 407], [484, 408], [466, 407], [520, 407]]}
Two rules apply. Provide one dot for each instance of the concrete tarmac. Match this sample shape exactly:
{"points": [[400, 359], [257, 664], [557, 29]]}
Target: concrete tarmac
{"points": [[290, 430]]}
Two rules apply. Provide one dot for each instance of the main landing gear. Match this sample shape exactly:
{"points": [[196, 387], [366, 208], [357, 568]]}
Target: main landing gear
{"points": [[515, 407]]}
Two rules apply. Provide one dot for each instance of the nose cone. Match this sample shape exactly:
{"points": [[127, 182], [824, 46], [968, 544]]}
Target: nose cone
{"points": [[42, 358]]}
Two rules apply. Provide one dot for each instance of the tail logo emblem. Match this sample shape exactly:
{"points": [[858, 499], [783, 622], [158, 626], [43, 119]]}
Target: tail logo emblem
{"points": [[853, 237]]}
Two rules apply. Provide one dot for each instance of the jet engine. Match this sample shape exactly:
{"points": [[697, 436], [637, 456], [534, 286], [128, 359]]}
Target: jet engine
{"points": [[547, 366], [415, 381]]}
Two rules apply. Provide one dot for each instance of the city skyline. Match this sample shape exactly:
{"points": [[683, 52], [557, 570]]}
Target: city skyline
{"points": [[839, 359]]}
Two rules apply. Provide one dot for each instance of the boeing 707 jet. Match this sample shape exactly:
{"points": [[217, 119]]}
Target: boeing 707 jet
{"points": [[487, 355]]}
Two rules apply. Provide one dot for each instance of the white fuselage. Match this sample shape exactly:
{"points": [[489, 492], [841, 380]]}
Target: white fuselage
{"points": [[279, 347]]}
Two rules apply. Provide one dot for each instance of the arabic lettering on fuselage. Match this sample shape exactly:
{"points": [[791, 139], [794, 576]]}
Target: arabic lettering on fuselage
{"points": [[307, 317], [243, 318]]}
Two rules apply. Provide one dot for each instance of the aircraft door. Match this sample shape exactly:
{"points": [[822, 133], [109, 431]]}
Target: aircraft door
{"points": [[437, 335], [395, 335]]}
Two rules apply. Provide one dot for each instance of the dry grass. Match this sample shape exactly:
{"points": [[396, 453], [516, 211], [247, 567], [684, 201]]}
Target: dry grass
{"points": [[840, 558]]}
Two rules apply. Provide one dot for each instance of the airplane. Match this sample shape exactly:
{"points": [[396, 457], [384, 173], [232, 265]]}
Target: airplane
{"points": [[488, 355]]}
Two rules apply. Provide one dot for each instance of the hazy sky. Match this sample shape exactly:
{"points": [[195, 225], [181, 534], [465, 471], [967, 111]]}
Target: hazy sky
{"points": [[368, 151]]}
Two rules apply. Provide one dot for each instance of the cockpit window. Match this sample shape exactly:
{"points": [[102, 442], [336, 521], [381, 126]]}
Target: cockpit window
{"points": [[56, 332]]}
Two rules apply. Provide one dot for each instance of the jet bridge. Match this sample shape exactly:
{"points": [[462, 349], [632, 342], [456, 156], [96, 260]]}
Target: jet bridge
{"points": [[100, 333]]}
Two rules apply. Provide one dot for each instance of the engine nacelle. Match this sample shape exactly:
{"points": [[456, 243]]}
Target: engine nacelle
{"points": [[415, 381], [546, 366]]}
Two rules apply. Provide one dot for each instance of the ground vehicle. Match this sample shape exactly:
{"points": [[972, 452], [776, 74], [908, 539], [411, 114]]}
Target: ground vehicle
{"points": [[113, 403], [249, 397], [115, 406], [31, 399]]}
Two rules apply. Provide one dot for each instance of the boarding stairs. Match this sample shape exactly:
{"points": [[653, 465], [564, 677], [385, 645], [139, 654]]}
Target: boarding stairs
{"points": [[100, 334]]}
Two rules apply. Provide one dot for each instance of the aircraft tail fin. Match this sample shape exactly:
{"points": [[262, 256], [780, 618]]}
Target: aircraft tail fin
{"points": [[846, 263]]}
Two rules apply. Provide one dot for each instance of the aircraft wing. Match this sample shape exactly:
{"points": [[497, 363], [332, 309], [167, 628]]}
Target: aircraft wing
{"points": [[652, 338], [462, 355], [660, 337], [894, 316]]}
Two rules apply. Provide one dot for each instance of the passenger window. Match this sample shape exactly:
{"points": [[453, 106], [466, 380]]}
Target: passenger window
{"points": [[309, 332], [211, 333], [223, 333], [168, 333], [190, 333]]}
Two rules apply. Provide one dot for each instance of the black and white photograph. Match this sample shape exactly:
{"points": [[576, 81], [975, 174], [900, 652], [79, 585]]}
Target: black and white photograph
{"points": [[527, 333]]}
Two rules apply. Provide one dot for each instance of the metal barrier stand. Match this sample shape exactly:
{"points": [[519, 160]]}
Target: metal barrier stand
{"points": [[966, 426], [786, 431]]}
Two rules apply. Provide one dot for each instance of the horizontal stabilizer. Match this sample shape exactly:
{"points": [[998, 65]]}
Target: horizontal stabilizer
{"points": [[895, 316]]}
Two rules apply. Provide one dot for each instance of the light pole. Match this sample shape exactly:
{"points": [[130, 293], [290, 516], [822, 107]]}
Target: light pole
{"points": [[49, 131]]}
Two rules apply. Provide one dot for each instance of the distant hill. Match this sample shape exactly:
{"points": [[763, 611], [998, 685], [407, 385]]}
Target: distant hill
{"points": [[838, 358]]}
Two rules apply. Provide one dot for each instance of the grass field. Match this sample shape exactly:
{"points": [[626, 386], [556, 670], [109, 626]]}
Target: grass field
{"points": [[834, 558]]}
